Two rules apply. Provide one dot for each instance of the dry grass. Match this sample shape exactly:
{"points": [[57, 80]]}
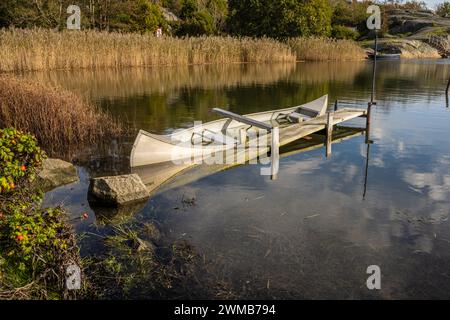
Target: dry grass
{"points": [[39, 49], [325, 49], [42, 49], [59, 119]]}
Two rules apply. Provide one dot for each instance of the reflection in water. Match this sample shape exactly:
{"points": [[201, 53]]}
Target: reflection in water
{"points": [[309, 234]]}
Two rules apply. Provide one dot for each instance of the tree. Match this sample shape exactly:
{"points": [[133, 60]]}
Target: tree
{"points": [[196, 21], [280, 18], [443, 9]]}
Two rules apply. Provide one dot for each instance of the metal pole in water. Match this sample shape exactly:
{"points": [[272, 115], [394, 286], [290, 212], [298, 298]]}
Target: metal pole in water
{"points": [[275, 153], [372, 96], [374, 71], [448, 87]]}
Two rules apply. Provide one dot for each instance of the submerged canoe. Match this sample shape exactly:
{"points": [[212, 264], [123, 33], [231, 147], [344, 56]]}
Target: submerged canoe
{"points": [[220, 134]]}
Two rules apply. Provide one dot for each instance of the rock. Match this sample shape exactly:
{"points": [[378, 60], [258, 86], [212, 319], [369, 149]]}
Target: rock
{"points": [[118, 190], [56, 173], [409, 48]]}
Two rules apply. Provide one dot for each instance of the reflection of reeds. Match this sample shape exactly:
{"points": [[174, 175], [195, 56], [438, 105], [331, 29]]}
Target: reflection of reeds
{"points": [[127, 82], [324, 49], [40, 49], [59, 119]]}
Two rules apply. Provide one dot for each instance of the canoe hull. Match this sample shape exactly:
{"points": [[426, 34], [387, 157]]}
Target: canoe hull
{"points": [[150, 148]]}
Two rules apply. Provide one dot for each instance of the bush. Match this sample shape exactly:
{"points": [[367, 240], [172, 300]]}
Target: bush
{"points": [[343, 32], [20, 157], [36, 244]]}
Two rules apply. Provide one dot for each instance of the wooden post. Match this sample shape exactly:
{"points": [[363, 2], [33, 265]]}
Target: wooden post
{"points": [[275, 153], [335, 105], [329, 133]]}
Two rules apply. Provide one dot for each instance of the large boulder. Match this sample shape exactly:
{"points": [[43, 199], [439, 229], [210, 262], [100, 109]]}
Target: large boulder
{"points": [[56, 173], [409, 49], [118, 190]]}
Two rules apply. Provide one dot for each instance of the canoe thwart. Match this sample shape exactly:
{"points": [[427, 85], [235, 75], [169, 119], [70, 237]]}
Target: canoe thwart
{"points": [[243, 119]]}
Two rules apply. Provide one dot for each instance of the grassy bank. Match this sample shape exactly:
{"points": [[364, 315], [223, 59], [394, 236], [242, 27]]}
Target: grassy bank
{"points": [[41, 49], [59, 119]]}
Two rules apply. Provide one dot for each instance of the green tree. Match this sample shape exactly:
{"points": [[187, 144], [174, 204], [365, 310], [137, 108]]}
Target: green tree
{"points": [[196, 21], [280, 18], [443, 9]]}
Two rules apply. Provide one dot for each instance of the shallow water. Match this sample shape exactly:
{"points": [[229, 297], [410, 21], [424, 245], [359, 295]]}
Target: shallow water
{"points": [[312, 233]]}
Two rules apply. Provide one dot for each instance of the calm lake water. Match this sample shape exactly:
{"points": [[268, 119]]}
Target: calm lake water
{"points": [[312, 233]]}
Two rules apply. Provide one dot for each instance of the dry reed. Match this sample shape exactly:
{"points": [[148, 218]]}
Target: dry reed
{"points": [[325, 49], [43, 49], [39, 49], [59, 119]]}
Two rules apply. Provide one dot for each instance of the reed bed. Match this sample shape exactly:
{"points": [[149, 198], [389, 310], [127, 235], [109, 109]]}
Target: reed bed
{"points": [[59, 119], [326, 49], [40, 49], [43, 49]]}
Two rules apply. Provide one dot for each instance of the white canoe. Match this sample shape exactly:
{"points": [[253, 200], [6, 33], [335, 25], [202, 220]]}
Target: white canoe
{"points": [[198, 140]]}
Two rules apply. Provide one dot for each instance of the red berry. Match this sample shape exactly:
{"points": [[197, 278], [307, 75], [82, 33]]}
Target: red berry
{"points": [[20, 237], [23, 168]]}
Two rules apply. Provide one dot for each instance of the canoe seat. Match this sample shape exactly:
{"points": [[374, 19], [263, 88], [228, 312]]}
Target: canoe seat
{"points": [[295, 117]]}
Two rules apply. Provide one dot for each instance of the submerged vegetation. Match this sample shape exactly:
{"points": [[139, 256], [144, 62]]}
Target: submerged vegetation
{"points": [[142, 265], [59, 119]]}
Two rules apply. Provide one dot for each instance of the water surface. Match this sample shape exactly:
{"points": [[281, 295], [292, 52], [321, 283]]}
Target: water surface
{"points": [[313, 232]]}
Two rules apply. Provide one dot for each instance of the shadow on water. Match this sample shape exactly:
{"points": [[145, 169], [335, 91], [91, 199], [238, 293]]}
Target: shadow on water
{"points": [[314, 231]]}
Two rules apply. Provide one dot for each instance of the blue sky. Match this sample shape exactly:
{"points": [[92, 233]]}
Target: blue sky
{"points": [[433, 3]]}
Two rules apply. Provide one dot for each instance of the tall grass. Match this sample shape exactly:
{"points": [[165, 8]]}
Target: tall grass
{"points": [[39, 49], [59, 119], [42, 49], [325, 49]]}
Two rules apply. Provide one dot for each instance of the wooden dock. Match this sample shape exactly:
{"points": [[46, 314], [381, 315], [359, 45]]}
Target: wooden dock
{"points": [[303, 129], [155, 176]]}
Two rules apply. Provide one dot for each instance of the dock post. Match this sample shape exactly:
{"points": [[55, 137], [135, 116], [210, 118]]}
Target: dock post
{"points": [[335, 105], [329, 133], [275, 153]]}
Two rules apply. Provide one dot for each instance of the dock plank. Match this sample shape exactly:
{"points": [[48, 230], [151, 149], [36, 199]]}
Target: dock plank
{"points": [[303, 129]]}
